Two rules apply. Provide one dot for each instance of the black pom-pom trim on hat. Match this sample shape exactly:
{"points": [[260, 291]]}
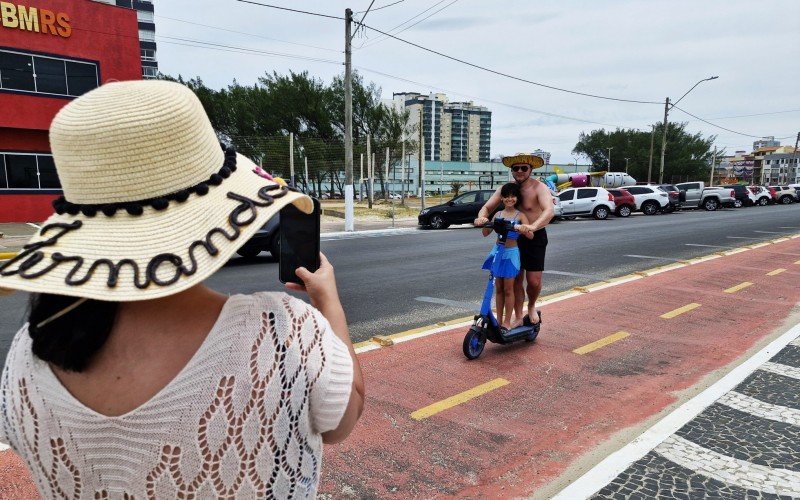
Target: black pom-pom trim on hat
{"points": [[135, 208], [159, 203]]}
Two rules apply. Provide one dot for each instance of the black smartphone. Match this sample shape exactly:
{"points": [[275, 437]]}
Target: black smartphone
{"points": [[299, 241]]}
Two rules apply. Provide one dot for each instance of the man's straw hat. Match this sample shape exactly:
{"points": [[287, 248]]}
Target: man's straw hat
{"points": [[152, 203], [526, 159]]}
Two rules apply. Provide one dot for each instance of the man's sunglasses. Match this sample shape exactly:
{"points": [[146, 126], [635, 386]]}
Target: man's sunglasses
{"points": [[520, 168]]}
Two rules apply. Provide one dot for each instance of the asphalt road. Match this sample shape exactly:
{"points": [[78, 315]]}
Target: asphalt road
{"points": [[392, 283]]}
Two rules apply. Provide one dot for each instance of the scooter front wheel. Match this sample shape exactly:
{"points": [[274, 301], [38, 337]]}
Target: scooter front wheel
{"points": [[474, 341]]}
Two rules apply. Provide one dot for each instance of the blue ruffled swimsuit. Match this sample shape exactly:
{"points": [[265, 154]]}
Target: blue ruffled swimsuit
{"points": [[508, 265]]}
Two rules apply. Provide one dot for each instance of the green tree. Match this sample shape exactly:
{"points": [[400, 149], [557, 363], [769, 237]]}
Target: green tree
{"points": [[456, 187], [688, 155]]}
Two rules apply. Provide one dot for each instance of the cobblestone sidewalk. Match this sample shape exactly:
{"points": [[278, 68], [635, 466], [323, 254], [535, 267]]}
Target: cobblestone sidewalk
{"points": [[745, 445]]}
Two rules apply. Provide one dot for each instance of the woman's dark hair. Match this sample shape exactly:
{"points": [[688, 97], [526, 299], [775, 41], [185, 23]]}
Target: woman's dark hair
{"points": [[511, 189], [70, 341]]}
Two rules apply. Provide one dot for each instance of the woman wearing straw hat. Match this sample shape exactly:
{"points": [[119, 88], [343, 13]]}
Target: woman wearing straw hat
{"points": [[133, 379]]}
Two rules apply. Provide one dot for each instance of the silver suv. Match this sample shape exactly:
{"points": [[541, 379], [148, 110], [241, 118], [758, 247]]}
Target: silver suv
{"points": [[594, 201], [784, 194]]}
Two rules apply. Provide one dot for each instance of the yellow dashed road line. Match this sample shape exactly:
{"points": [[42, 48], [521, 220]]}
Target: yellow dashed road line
{"points": [[680, 310], [776, 272], [601, 343], [452, 401], [738, 287]]}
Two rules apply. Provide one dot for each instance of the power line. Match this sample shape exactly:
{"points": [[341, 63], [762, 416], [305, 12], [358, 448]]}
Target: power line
{"points": [[756, 114], [727, 129], [381, 7], [240, 50], [483, 68], [394, 30], [361, 23], [291, 10], [248, 34]]}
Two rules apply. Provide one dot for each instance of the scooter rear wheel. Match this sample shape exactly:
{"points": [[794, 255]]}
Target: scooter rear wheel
{"points": [[474, 341]]}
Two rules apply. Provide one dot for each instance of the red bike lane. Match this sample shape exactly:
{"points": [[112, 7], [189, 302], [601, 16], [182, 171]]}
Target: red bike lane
{"points": [[540, 412]]}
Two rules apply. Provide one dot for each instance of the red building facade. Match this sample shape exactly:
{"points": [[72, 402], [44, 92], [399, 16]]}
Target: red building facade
{"points": [[52, 51]]}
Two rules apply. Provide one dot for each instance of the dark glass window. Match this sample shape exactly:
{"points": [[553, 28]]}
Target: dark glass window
{"points": [[566, 196], [81, 77], [50, 75], [47, 173], [3, 179], [21, 170], [16, 71], [587, 193]]}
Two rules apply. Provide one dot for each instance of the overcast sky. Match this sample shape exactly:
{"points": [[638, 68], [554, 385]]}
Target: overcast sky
{"points": [[633, 50]]}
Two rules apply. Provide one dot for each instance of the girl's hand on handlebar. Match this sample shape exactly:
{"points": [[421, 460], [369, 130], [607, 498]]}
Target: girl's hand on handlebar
{"points": [[480, 221]]}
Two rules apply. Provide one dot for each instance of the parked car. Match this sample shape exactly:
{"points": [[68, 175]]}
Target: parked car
{"points": [[594, 201], [624, 201], [266, 238], [649, 199], [674, 196], [796, 188], [710, 198], [784, 194], [761, 195], [462, 209], [558, 210], [742, 196]]}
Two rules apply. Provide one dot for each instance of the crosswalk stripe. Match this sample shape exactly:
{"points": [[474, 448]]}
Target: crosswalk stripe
{"points": [[785, 370]]}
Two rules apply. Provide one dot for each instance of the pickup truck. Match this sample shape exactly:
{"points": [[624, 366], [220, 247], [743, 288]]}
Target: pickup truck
{"points": [[710, 198]]}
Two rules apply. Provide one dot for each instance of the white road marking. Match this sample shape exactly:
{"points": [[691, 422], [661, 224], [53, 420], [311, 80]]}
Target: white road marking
{"points": [[471, 306], [34, 225], [744, 238], [729, 470], [376, 233], [785, 370], [762, 409], [772, 232], [655, 258], [788, 227], [577, 275], [609, 468], [706, 246]]}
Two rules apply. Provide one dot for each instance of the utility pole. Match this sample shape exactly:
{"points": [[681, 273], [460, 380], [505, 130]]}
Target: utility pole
{"points": [[421, 161], [650, 162], [626, 165], [609, 157], [291, 159], [369, 171], [305, 171], [386, 178], [348, 123], [794, 160], [403, 170], [372, 181], [713, 163], [663, 143]]}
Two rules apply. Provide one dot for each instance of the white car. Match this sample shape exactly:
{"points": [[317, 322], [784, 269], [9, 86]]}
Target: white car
{"points": [[594, 201], [558, 210], [649, 199]]}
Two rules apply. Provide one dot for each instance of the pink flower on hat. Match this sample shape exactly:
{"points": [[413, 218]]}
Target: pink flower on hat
{"points": [[262, 173]]}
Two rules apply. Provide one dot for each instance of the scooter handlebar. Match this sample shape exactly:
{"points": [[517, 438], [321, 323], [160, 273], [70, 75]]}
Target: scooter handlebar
{"points": [[500, 226]]}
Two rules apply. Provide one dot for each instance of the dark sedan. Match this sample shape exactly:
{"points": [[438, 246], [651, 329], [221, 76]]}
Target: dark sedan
{"points": [[463, 209]]}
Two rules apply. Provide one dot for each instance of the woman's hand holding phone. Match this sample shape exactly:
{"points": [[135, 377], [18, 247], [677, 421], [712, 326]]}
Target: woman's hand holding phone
{"points": [[320, 285]]}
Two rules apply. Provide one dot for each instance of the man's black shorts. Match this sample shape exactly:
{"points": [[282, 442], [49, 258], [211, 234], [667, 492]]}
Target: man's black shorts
{"points": [[531, 252]]}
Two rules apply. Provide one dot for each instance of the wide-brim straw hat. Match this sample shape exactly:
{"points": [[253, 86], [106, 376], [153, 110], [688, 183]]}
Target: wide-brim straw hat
{"points": [[523, 159], [152, 204]]}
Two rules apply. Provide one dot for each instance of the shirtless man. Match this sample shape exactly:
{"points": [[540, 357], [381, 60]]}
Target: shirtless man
{"points": [[537, 205]]}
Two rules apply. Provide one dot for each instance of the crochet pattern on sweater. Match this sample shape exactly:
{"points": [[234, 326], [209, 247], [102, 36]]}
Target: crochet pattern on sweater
{"points": [[243, 419]]}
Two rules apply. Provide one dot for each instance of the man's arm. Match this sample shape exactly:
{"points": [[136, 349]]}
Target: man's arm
{"points": [[545, 200], [487, 208]]}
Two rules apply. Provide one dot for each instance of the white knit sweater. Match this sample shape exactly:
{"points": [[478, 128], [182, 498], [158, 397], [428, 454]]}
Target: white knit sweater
{"points": [[241, 420]]}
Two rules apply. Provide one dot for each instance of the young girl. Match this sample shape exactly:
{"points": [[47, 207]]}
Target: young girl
{"points": [[508, 267]]}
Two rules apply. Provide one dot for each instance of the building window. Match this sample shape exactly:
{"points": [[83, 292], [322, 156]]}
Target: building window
{"points": [[149, 72], [46, 75], [28, 171], [147, 36], [148, 54], [144, 16]]}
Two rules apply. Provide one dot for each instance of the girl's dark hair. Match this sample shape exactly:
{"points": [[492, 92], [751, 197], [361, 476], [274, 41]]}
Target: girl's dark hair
{"points": [[511, 189], [70, 341]]}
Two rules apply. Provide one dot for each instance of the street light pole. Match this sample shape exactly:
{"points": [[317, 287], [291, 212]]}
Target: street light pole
{"points": [[666, 113], [626, 165], [609, 157], [348, 124]]}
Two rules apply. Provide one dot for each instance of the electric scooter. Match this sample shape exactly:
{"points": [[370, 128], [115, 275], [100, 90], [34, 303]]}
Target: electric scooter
{"points": [[485, 326]]}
